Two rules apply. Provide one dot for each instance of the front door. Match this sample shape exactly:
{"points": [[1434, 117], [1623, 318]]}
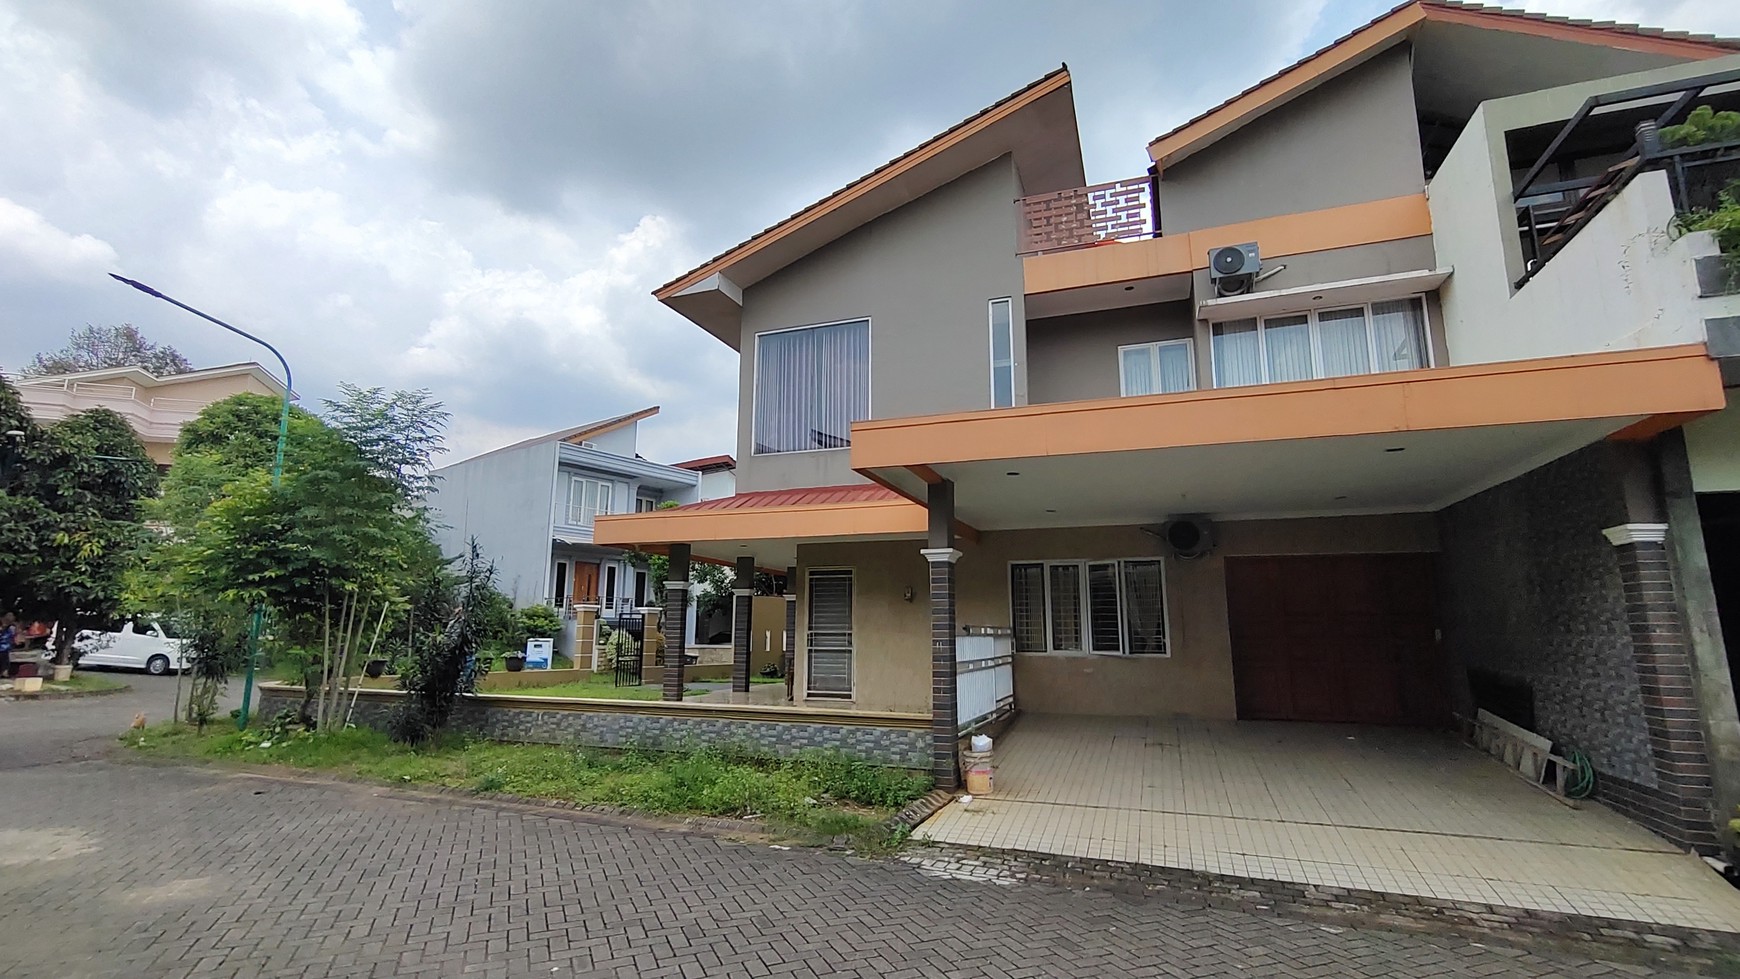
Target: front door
{"points": [[1344, 637], [585, 581]]}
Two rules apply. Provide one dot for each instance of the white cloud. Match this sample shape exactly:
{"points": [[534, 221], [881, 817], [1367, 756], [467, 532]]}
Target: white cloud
{"points": [[30, 244]]}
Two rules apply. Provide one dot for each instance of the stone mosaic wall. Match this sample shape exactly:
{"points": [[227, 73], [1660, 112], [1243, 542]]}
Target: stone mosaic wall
{"points": [[895, 747], [1532, 591]]}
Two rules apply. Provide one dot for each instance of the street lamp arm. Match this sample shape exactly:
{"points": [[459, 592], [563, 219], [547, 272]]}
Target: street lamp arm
{"points": [[289, 384], [147, 290]]}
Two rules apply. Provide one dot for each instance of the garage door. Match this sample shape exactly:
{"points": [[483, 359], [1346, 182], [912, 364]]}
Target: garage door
{"points": [[1346, 637]]}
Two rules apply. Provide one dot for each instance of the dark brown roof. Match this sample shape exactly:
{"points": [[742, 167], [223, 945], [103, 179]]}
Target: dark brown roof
{"points": [[708, 464], [1636, 30]]}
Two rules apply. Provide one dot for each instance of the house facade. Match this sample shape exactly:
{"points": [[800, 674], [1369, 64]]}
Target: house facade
{"points": [[156, 407], [1391, 392], [532, 507]]}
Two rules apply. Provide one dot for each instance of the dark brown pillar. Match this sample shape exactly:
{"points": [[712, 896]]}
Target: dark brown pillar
{"points": [[1679, 808], [676, 621], [742, 607], [941, 555], [791, 594]]}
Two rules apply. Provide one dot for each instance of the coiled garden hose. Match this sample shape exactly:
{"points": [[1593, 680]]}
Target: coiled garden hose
{"points": [[1581, 781]]}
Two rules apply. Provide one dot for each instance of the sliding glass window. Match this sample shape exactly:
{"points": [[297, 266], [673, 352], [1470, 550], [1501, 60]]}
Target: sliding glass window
{"points": [[1340, 342]]}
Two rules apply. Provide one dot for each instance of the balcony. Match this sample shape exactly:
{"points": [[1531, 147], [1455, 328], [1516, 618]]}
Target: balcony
{"points": [[1080, 217], [155, 419]]}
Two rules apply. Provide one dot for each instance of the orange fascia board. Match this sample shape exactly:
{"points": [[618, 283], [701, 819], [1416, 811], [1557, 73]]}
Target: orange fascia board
{"points": [[1622, 384], [1372, 222], [872, 518], [888, 174], [1378, 36]]}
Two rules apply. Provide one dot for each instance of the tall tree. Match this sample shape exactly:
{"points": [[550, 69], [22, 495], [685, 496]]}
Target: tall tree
{"points": [[399, 433], [93, 347], [70, 500]]}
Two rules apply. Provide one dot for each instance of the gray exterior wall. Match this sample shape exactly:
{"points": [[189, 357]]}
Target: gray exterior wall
{"points": [[923, 275], [1075, 358], [1532, 592], [1355, 139], [504, 499]]}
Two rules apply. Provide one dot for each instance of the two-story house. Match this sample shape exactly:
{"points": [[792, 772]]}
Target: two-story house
{"points": [[1389, 393], [156, 407], [532, 506]]}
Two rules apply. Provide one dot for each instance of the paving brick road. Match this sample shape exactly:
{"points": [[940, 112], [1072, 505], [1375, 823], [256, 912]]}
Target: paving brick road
{"points": [[114, 869]]}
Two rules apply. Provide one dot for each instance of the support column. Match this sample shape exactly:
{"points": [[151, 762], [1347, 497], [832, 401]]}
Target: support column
{"points": [[1680, 806], [677, 614], [791, 596], [742, 607], [941, 555]]}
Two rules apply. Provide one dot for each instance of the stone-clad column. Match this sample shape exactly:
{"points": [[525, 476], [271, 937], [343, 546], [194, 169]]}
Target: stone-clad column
{"points": [[1680, 808], [742, 607], [791, 595], [941, 556], [677, 619]]}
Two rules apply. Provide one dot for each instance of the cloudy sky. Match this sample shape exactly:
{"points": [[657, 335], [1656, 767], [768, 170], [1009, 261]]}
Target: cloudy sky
{"points": [[477, 197]]}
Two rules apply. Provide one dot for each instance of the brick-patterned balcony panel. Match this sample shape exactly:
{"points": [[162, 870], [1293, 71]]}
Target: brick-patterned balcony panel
{"points": [[1081, 216]]}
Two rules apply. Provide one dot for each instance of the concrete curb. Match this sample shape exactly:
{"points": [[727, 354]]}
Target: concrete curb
{"points": [[64, 694], [1348, 907]]}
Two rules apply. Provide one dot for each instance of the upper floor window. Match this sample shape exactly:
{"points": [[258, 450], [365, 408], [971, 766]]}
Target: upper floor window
{"points": [[1002, 353], [645, 504], [587, 498], [811, 384], [1156, 368], [1382, 336]]}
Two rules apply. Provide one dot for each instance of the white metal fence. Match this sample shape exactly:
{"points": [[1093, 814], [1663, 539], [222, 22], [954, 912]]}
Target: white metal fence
{"points": [[984, 677]]}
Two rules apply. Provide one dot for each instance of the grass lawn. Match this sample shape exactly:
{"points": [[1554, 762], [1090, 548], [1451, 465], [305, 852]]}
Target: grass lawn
{"points": [[85, 682], [809, 799], [767, 679]]}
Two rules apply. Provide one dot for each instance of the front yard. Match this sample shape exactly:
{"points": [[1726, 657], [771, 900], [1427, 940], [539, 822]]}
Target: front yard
{"points": [[811, 799]]}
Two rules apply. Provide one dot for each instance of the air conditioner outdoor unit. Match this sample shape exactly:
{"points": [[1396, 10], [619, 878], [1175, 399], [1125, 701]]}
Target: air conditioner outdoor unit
{"points": [[1189, 535], [1232, 270]]}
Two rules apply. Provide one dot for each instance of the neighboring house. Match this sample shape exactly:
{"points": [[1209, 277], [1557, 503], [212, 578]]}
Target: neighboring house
{"points": [[1435, 440], [155, 406], [531, 506]]}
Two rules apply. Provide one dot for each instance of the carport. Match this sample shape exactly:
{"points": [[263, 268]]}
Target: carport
{"points": [[1392, 810]]}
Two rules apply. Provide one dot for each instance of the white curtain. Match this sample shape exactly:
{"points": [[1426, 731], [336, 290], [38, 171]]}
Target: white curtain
{"points": [[1399, 334], [1288, 341], [1139, 376], [810, 386], [1341, 332], [1237, 354], [1175, 372]]}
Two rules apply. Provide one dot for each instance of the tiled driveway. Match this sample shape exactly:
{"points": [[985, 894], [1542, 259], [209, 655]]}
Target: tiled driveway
{"points": [[1397, 811]]}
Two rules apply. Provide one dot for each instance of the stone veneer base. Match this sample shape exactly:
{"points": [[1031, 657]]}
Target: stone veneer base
{"points": [[894, 742]]}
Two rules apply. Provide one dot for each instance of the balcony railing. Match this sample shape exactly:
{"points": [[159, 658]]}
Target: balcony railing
{"points": [[1081, 216], [1549, 215]]}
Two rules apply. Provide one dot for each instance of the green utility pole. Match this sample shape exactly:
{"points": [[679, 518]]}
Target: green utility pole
{"points": [[277, 473]]}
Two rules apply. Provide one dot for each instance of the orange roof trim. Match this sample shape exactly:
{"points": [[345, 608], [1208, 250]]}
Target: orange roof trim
{"points": [[1368, 40], [708, 463], [817, 513], [583, 433], [883, 174]]}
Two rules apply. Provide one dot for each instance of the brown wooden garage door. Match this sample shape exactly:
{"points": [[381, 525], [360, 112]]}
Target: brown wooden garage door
{"points": [[1346, 637]]}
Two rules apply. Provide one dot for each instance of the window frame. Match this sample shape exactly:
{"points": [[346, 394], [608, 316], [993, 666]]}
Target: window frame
{"points": [[869, 378], [852, 648], [1311, 322], [606, 487], [1153, 348], [1087, 637], [991, 352]]}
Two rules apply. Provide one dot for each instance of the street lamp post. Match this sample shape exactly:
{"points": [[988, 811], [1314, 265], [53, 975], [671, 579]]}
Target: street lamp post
{"points": [[277, 469]]}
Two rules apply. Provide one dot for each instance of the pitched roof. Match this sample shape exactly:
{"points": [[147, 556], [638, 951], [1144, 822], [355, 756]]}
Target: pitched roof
{"points": [[145, 378], [708, 463], [1395, 26], [808, 496], [573, 436]]}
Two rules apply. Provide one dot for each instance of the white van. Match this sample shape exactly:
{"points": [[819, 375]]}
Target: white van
{"points": [[141, 643]]}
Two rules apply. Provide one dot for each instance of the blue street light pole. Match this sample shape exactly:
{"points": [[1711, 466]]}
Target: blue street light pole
{"points": [[277, 469]]}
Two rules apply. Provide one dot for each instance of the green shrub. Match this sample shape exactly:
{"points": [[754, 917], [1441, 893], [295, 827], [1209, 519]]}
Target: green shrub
{"points": [[540, 622], [1703, 126]]}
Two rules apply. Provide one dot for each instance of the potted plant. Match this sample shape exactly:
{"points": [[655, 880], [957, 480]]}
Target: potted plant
{"points": [[375, 668], [515, 661]]}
